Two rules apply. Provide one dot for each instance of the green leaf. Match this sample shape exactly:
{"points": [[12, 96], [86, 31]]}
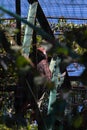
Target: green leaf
{"points": [[21, 61]]}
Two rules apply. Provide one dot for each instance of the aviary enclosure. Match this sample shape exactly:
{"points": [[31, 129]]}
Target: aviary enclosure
{"points": [[63, 104]]}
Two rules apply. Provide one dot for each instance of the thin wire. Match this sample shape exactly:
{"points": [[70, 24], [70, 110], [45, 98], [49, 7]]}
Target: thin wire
{"points": [[59, 7], [79, 9], [29, 87], [45, 8], [24, 8]]}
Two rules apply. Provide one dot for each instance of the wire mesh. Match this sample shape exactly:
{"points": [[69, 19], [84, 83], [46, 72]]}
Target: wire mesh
{"points": [[73, 10]]}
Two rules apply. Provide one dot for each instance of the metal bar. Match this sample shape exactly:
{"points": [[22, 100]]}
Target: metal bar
{"points": [[18, 23], [72, 18], [42, 19], [30, 32], [50, 17]]}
